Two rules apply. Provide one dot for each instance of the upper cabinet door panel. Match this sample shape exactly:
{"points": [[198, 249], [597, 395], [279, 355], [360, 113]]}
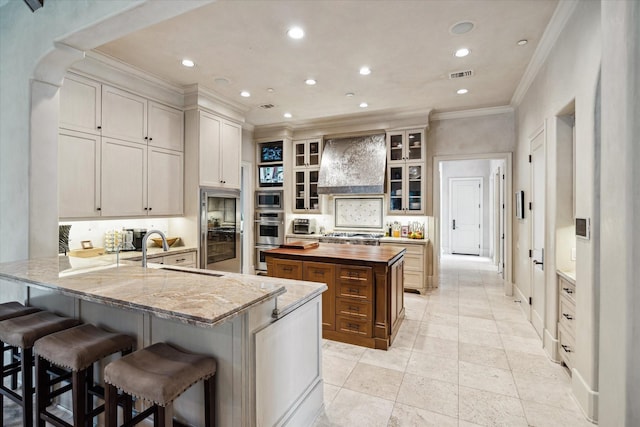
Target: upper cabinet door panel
{"points": [[124, 115], [230, 154], [165, 182], [80, 105], [166, 127], [124, 178], [209, 150]]}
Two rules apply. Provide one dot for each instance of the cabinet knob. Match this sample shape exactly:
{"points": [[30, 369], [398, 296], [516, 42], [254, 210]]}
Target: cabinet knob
{"points": [[566, 348], [145, 209], [567, 290], [150, 139], [149, 208], [99, 127], [567, 316], [98, 208], [146, 138]]}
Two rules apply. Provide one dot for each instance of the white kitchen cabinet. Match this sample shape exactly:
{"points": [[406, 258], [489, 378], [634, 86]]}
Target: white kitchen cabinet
{"points": [[306, 169], [165, 180], [124, 178], [566, 318], [124, 115], [81, 105], [406, 172], [219, 151], [165, 127], [79, 160]]}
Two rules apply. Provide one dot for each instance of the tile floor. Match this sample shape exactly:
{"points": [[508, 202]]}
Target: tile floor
{"points": [[465, 356]]}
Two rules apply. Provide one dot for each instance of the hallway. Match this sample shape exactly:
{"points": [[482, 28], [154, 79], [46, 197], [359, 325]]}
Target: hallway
{"points": [[465, 356]]}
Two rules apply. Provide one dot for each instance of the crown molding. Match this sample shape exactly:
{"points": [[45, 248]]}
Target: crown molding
{"points": [[478, 112], [198, 96], [558, 21]]}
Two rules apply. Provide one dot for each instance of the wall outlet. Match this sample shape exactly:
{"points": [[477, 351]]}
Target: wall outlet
{"points": [[573, 254]]}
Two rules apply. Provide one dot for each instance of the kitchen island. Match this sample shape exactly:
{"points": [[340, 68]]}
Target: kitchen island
{"points": [[264, 333], [364, 302]]}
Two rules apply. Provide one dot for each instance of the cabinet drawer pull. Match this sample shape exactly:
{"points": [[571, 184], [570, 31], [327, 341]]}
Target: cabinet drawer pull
{"points": [[354, 308], [567, 316], [354, 290], [287, 268], [319, 272], [181, 260], [567, 290], [353, 326], [566, 348]]}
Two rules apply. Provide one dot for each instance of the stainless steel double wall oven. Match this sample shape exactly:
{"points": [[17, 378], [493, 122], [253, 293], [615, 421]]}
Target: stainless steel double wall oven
{"points": [[268, 225]]}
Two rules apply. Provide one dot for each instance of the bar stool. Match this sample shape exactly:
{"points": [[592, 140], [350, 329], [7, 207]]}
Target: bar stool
{"points": [[75, 349], [9, 310], [159, 374], [21, 333]]}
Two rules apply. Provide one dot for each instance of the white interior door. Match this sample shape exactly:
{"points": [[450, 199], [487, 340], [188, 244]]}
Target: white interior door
{"points": [[466, 216], [537, 231]]}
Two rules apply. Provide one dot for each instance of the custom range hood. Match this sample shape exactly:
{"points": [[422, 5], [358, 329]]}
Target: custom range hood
{"points": [[353, 165]]}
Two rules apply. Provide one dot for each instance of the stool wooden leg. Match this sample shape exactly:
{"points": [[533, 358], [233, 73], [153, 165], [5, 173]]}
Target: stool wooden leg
{"points": [[163, 416], [42, 388], [88, 384], [110, 406], [79, 380], [27, 387], [14, 377], [209, 402]]}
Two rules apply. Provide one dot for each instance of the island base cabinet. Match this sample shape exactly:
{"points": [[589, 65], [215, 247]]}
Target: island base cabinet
{"points": [[323, 273]]}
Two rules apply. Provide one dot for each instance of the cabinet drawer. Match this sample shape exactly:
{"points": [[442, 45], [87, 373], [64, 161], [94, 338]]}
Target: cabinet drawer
{"points": [[319, 272], [413, 279], [567, 315], [287, 269], [354, 326], [352, 308], [566, 346], [567, 289], [185, 259], [354, 274], [360, 290], [413, 262], [412, 249]]}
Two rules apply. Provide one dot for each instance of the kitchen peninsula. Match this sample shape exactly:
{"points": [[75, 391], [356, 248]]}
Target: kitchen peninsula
{"points": [[263, 332], [364, 303]]}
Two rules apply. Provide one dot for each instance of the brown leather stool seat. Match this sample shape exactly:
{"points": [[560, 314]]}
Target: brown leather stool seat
{"points": [[159, 374], [76, 349], [21, 333], [9, 310]]}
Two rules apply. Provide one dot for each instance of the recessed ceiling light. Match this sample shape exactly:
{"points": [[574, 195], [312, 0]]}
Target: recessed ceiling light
{"points": [[365, 71], [349, 94], [522, 42], [295, 33], [310, 82], [287, 115], [270, 90], [188, 63], [460, 53], [461, 27], [245, 94], [363, 105], [462, 91]]}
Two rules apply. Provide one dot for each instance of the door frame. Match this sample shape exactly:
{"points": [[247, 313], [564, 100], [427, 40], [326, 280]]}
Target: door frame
{"points": [[508, 162], [478, 179]]}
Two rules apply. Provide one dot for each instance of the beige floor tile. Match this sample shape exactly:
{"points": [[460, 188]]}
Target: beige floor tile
{"points": [[404, 340], [394, 358], [436, 347], [517, 328], [350, 408], [336, 370], [330, 392], [463, 423], [476, 323], [433, 395], [524, 345], [508, 314], [440, 318], [483, 355], [540, 415], [410, 326], [433, 367], [409, 416], [413, 314], [482, 312], [375, 381], [536, 364], [488, 339], [549, 391], [489, 379], [343, 350], [438, 330], [490, 409]]}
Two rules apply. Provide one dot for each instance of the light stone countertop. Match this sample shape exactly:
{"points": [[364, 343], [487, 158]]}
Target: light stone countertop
{"points": [[568, 275], [192, 296]]}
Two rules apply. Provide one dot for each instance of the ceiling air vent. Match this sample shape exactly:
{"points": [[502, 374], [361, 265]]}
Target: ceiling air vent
{"points": [[460, 74], [267, 106]]}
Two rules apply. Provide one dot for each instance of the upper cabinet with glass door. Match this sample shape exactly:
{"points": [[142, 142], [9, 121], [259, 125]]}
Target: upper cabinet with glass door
{"points": [[406, 172], [306, 165]]}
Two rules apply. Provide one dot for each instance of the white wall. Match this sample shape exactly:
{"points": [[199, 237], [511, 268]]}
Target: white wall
{"points": [[462, 169], [569, 73]]}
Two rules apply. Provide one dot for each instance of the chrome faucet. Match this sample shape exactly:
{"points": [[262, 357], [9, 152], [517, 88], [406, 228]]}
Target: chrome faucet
{"points": [[165, 246]]}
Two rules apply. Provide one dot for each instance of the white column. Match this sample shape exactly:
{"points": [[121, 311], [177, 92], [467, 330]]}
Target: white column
{"points": [[620, 206]]}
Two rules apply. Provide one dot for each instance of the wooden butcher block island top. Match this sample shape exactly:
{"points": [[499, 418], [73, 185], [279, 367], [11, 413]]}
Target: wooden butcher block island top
{"points": [[364, 302]]}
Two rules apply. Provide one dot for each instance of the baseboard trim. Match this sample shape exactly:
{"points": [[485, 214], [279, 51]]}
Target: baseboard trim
{"points": [[550, 345], [586, 398]]}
